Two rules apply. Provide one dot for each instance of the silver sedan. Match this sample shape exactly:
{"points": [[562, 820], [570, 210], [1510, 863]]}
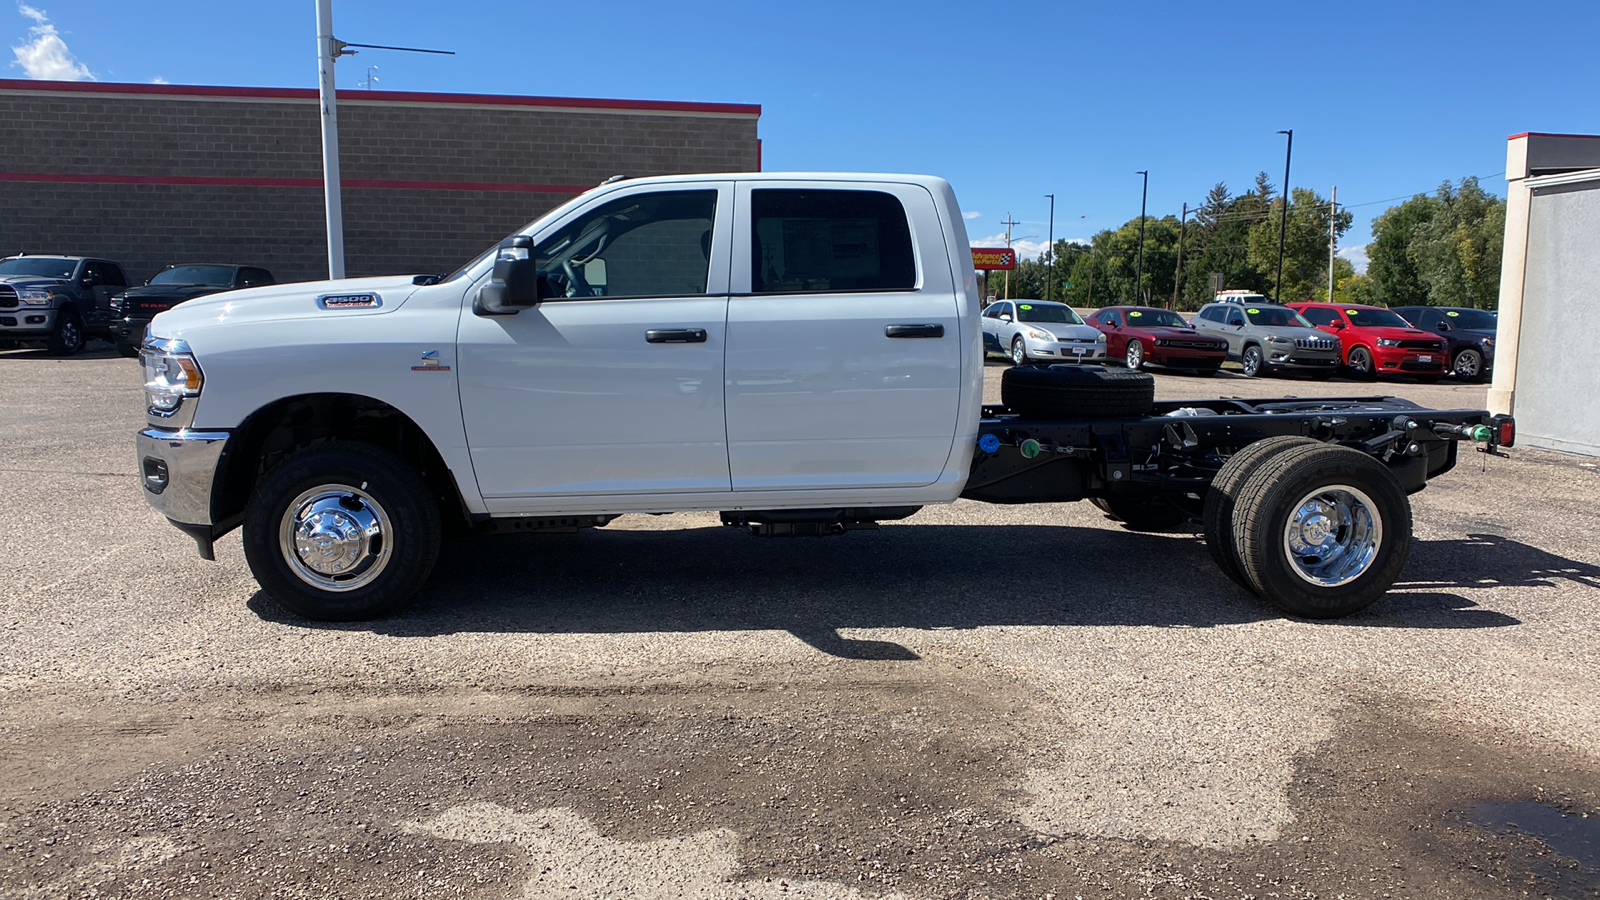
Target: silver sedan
{"points": [[1039, 331]]}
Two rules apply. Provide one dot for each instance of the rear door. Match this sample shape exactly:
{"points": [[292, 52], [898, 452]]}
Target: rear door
{"points": [[844, 349]]}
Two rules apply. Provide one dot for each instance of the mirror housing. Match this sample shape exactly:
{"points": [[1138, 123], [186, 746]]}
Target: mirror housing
{"points": [[514, 286], [1444, 326], [1005, 317]]}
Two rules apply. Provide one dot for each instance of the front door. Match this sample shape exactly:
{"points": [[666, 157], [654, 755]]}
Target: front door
{"points": [[615, 385], [844, 341]]}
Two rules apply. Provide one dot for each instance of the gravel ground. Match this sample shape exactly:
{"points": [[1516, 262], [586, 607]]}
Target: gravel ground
{"points": [[940, 708]]}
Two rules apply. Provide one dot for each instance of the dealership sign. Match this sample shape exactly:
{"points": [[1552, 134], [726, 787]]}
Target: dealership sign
{"points": [[994, 258]]}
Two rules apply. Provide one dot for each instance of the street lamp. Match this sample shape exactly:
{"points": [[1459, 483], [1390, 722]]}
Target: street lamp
{"points": [[1050, 250], [1283, 218], [1138, 285]]}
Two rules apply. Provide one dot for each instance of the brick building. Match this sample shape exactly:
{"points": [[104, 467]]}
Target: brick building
{"points": [[155, 174]]}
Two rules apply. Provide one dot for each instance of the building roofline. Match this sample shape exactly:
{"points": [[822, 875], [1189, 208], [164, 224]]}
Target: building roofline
{"points": [[1552, 134], [180, 91]]}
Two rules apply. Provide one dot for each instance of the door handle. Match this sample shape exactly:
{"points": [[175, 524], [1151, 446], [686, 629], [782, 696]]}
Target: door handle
{"points": [[913, 331], [675, 336]]}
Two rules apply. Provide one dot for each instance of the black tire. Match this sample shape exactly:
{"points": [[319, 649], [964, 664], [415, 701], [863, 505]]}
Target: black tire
{"points": [[1019, 351], [1338, 570], [1076, 391], [1467, 365], [1133, 357], [394, 494], [1252, 360], [1360, 364], [1144, 514], [1222, 498], [67, 338]]}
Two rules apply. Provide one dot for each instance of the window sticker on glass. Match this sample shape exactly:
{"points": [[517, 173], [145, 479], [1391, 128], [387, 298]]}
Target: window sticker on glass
{"points": [[1253, 312], [1451, 313], [1134, 314], [1353, 312], [1027, 306]]}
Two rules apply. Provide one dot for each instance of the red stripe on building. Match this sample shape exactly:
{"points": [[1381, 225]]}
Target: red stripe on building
{"points": [[308, 94], [225, 181]]}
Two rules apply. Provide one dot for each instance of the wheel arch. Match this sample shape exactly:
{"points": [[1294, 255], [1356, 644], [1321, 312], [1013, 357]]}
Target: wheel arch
{"points": [[271, 433]]}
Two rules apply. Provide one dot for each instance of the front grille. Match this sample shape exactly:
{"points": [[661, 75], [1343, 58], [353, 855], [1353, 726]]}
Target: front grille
{"points": [[1314, 343], [1195, 345], [8, 297], [1421, 345]]}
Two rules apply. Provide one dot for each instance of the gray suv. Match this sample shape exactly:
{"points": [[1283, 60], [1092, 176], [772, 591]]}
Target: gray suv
{"points": [[1266, 337]]}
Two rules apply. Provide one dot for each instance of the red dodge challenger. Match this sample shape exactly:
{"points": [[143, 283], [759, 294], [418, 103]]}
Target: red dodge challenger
{"points": [[1144, 335]]}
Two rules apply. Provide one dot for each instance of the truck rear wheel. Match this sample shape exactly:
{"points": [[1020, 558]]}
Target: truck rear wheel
{"points": [[1322, 531], [1077, 391], [1222, 497], [342, 531]]}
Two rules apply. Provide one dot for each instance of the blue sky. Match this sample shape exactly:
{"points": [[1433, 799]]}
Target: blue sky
{"points": [[1009, 103]]}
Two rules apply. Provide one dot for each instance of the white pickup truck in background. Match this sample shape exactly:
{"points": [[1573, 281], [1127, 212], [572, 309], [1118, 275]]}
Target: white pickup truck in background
{"points": [[800, 352]]}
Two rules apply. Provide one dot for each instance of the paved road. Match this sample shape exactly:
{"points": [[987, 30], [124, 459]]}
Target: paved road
{"points": [[941, 708]]}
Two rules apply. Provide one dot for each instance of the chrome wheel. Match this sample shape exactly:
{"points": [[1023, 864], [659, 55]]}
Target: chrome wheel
{"points": [[1135, 355], [1333, 535], [1251, 361], [1468, 365], [335, 537], [1019, 352]]}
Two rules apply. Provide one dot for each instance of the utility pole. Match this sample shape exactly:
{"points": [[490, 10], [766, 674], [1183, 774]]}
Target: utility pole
{"points": [[1008, 223], [1333, 237], [1091, 272], [330, 49], [1283, 219], [1177, 277], [1138, 284], [1050, 250]]}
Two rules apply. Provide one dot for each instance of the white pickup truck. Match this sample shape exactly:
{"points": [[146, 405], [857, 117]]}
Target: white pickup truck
{"points": [[800, 352]]}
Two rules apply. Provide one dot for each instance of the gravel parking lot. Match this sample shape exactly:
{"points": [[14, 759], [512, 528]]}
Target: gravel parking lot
{"points": [[940, 708]]}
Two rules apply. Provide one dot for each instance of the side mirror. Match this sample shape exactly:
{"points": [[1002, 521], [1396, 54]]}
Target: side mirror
{"points": [[1444, 326], [1336, 325], [514, 285], [1005, 317]]}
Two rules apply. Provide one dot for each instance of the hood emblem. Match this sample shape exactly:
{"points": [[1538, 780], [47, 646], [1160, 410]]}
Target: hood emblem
{"points": [[430, 363], [362, 300]]}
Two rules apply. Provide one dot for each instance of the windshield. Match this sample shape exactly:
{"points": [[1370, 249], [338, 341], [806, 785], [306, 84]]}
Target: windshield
{"points": [[216, 276], [1470, 318], [1041, 312], [1276, 315], [43, 266], [1374, 318], [1154, 318]]}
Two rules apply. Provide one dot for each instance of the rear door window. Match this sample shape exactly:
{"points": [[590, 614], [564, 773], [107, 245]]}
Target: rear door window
{"points": [[829, 241], [1318, 316]]}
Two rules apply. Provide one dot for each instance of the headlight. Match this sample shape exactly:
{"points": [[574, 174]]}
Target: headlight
{"points": [[1386, 342], [118, 302], [1276, 339], [1161, 342], [33, 297], [170, 374], [1100, 338], [1041, 335]]}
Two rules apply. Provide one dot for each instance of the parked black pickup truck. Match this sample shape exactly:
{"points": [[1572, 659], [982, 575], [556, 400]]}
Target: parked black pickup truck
{"points": [[133, 309], [61, 300]]}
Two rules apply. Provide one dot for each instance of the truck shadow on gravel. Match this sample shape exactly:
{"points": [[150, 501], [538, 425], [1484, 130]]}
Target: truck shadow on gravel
{"points": [[925, 577]]}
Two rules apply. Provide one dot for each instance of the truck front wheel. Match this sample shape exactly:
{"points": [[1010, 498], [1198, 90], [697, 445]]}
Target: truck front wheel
{"points": [[1322, 531], [67, 338], [341, 531]]}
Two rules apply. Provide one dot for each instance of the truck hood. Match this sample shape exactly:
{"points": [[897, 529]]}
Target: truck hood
{"points": [[284, 301], [29, 281], [1294, 332]]}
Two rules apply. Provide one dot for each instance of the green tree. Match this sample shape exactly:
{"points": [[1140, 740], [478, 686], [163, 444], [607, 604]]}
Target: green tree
{"points": [[1392, 260], [1305, 250], [1458, 251], [1219, 241]]}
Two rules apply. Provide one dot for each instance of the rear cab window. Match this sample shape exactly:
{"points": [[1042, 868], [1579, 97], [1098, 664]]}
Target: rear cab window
{"points": [[829, 240]]}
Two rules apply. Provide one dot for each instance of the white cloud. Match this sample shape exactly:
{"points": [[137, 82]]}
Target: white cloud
{"points": [[1357, 256], [969, 215], [45, 56], [159, 80]]}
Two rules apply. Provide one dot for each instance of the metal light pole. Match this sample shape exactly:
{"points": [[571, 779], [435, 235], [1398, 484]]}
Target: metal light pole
{"points": [[1283, 219], [1050, 250], [1138, 285], [1333, 237], [1177, 276], [329, 50]]}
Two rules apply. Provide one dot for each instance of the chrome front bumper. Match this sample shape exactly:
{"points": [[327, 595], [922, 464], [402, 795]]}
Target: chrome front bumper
{"points": [[178, 469]]}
